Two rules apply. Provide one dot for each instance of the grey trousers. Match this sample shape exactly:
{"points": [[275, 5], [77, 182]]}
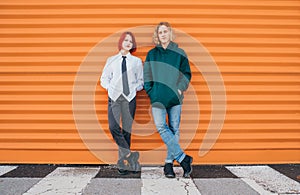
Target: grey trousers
{"points": [[121, 110]]}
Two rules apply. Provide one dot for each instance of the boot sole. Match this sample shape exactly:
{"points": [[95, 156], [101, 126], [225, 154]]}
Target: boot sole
{"points": [[122, 172], [170, 176]]}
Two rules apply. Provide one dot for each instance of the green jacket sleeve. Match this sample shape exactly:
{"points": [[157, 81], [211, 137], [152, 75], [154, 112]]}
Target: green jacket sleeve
{"points": [[185, 74], [148, 81]]}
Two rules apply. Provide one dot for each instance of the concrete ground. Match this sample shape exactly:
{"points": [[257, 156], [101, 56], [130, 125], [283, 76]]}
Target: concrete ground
{"points": [[88, 180]]}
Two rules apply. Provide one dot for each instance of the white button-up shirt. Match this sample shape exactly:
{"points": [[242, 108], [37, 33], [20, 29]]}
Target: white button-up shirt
{"points": [[111, 78]]}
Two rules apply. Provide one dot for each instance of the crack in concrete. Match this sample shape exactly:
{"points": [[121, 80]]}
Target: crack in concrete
{"points": [[186, 185]]}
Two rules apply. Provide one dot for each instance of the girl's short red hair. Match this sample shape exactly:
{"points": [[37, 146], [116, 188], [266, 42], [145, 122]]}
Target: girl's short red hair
{"points": [[122, 37]]}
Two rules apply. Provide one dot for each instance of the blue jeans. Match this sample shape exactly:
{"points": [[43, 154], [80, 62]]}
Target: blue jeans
{"points": [[169, 132]]}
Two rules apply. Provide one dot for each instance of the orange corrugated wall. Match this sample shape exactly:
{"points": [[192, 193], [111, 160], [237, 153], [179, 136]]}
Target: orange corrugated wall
{"points": [[255, 45]]}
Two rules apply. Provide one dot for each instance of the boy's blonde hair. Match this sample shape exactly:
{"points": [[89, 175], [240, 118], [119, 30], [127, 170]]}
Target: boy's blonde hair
{"points": [[155, 34]]}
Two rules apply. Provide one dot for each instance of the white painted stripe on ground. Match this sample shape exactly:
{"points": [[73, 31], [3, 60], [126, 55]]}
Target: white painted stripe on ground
{"points": [[154, 182], [64, 180], [6, 169], [257, 187], [270, 179]]}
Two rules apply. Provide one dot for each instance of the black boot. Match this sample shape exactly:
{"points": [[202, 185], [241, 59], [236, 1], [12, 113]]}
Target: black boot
{"points": [[168, 170], [186, 165], [133, 163], [122, 168]]}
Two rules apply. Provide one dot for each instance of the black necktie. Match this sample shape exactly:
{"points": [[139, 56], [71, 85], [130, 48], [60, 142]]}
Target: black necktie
{"points": [[124, 77]]}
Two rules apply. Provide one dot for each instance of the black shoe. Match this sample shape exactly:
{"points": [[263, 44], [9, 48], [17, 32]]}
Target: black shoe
{"points": [[186, 164], [133, 163], [122, 168], [168, 170], [137, 168]]}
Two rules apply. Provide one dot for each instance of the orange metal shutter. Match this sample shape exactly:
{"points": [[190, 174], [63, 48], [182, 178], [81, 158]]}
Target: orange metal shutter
{"points": [[255, 45]]}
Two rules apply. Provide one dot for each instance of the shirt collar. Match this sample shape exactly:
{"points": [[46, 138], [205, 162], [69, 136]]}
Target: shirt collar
{"points": [[128, 56]]}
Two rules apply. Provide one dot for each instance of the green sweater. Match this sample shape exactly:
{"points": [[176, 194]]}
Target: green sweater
{"points": [[166, 71]]}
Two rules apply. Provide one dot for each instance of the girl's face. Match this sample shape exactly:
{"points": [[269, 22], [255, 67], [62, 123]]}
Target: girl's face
{"points": [[164, 34], [127, 43]]}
